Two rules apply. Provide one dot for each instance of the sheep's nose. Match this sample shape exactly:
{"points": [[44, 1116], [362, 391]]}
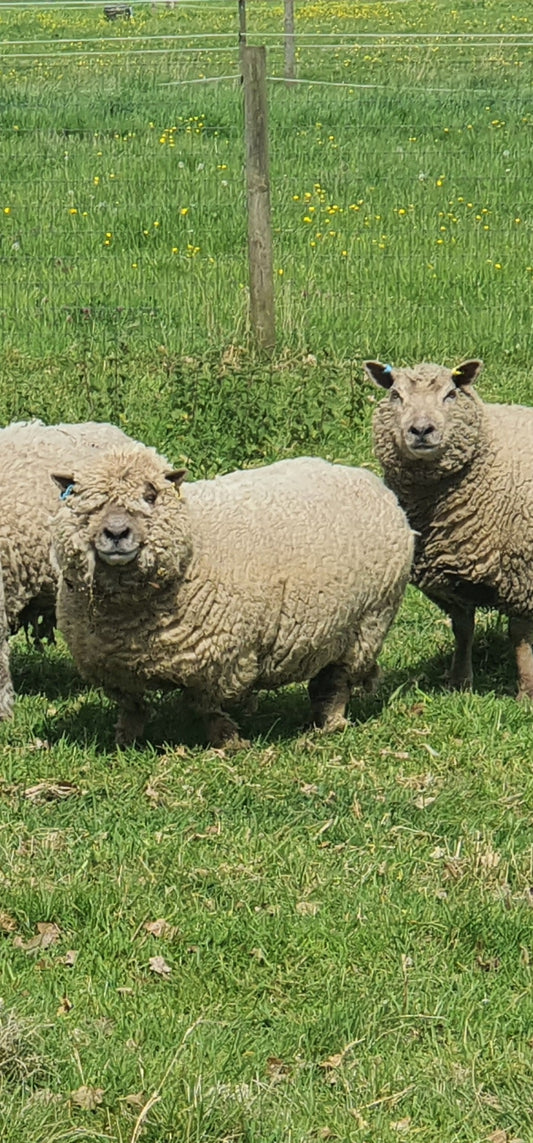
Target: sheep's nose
{"points": [[422, 431], [117, 534]]}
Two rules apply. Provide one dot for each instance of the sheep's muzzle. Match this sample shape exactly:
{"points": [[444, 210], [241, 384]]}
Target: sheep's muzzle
{"points": [[117, 542]]}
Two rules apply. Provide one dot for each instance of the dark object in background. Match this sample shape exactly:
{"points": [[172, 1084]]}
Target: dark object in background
{"points": [[113, 11]]}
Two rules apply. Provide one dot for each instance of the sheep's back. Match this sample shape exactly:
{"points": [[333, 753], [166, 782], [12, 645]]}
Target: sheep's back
{"points": [[30, 452], [302, 519]]}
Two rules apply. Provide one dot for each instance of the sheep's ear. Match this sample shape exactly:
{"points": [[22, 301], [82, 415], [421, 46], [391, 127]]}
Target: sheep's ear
{"points": [[177, 477], [381, 374], [63, 482], [467, 372]]}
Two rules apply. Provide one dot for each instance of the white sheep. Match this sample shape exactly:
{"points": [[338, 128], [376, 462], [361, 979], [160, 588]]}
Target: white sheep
{"points": [[252, 580], [29, 453], [463, 472]]}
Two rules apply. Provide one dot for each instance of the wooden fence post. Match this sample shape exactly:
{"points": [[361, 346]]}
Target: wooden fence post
{"points": [[242, 26], [290, 43], [258, 197]]}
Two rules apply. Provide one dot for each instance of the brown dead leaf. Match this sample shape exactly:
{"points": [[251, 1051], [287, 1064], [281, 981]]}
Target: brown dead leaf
{"points": [[135, 1099], [326, 1133], [258, 955], [454, 868], [7, 923], [417, 708], [334, 1061], [423, 801], [388, 753], [38, 744], [65, 1007], [277, 1070], [159, 966], [88, 1098], [488, 964], [498, 1137], [307, 908], [356, 809], [211, 831], [70, 958], [309, 789], [402, 1125], [51, 791], [47, 934], [160, 928]]}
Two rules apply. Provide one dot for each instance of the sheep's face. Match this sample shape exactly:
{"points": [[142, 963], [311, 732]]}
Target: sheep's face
{"points": [[122, 512], [431, 414]]}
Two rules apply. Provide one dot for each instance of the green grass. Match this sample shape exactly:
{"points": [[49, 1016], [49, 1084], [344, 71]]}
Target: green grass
{"points": [[363, 900]]}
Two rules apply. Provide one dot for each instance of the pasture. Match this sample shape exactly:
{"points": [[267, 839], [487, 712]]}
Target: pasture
{"points": [[344, 925]]}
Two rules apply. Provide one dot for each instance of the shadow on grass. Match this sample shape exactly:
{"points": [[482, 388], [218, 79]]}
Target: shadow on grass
{"points": [[46, 672], [281, 715], [492, 660]]}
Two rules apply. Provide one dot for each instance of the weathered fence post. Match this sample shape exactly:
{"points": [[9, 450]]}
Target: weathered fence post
{"points": [[290, 43], [242, 26], [258, 197]]}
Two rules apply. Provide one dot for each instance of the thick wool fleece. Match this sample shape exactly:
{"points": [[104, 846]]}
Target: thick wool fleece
{"points": [[471, 506], [29, 454], [251, 580]]}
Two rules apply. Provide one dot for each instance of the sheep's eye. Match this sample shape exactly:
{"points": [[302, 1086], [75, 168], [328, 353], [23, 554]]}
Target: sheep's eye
{"points": [[451, 396], [150, 494], [394, 395]]}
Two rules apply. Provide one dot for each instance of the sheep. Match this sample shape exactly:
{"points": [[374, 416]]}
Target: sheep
{"points": [[463, 472], [29, 452], [221, 587]]}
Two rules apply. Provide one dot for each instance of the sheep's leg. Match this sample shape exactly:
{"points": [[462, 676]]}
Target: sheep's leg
{"points": [[7, 694], [223, 732], [330, 692], [521, 634], [132, 715], [462, 617]]}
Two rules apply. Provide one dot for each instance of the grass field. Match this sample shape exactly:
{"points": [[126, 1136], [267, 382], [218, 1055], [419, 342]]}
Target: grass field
{"points": [[348, 923]]}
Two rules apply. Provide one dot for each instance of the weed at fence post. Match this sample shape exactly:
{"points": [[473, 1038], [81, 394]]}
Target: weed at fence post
{"points": [[290, 43], [261, 273]]}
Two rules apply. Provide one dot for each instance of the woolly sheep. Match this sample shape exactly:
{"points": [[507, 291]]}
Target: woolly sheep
{"points": [[252, 580], [29, 453], [463, 472]]}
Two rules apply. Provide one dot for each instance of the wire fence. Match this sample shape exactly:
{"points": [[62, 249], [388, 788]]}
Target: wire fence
{"points": [[400, 176]]}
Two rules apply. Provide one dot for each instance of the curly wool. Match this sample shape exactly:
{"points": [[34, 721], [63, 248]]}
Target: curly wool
{"points": [[29, 453], [472, 506], [252, 580]]}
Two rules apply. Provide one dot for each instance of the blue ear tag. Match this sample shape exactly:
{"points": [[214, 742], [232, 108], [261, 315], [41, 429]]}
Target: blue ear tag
{"points": [[387, 368], [66, 493]]}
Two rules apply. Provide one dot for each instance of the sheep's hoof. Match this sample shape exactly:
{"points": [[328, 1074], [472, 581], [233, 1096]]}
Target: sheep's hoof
{"points": [[223, 733], [459, 682], [332, 724]]}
